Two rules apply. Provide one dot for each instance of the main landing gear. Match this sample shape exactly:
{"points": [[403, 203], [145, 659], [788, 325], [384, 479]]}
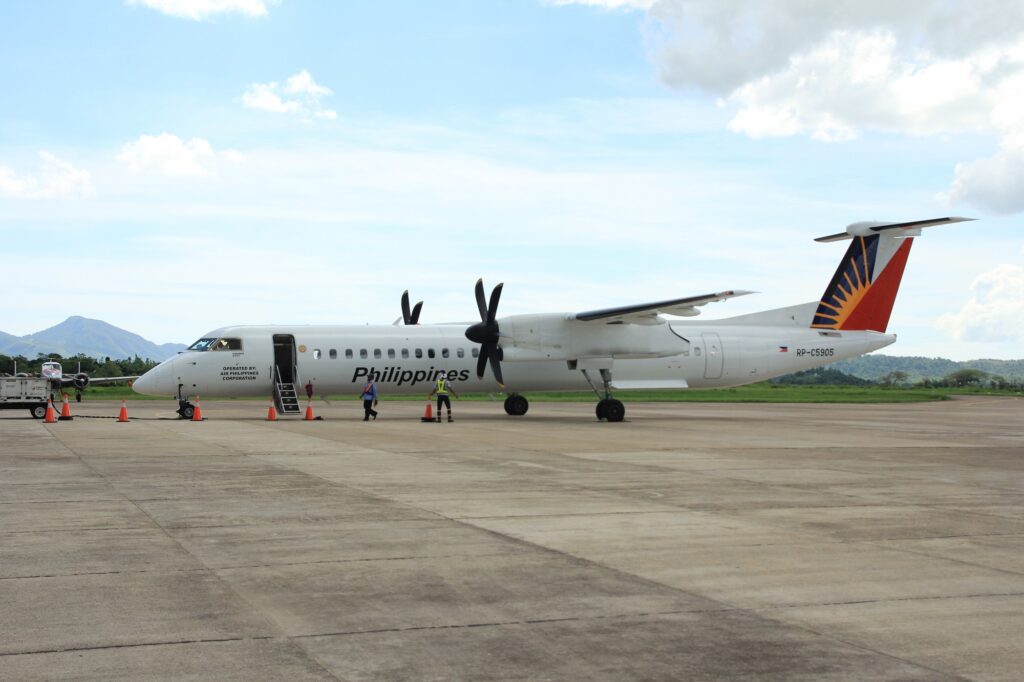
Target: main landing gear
{"points": [[608, 408], [516, 405]]}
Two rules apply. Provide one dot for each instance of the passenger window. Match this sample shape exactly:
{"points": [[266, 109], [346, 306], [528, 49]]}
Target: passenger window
{"points": [[460, 353], [227, 344], [316, 353], [444, 352], [696, 351], [391, 353], [430, 352], [405, 353], [376, 353], [348, 353], [363, 354], [476, 352], [419, 352], [334, 354]]}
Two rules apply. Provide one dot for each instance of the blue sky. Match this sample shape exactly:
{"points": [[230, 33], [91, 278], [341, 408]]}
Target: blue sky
{"points": [[239, 161]]}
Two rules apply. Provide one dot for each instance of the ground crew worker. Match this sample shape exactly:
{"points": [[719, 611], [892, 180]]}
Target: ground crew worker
{"points": [[442, 388]]}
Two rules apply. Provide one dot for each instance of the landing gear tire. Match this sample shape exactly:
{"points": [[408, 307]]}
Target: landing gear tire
{"points": [[611, 409], [37, 411], [516, 405], [186, 411]]}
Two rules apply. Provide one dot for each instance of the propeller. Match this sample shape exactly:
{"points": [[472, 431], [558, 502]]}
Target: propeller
{"points": [[410, 317], [486, 332]]}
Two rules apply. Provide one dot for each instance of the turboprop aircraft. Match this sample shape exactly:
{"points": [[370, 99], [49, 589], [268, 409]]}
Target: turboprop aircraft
{"points": [[622, 348], [53, 371]]}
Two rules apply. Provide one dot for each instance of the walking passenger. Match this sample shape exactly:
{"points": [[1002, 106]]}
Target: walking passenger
{"points": [[369, 397]]}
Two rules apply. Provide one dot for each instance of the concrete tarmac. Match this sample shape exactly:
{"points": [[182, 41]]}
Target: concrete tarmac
{"points": [[691, 542]]}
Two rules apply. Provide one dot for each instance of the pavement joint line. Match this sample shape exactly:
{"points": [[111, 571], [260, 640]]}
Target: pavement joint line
{"points": [[520, 621], [91, 573], [132, 645], [856, 602], [67, 529]]}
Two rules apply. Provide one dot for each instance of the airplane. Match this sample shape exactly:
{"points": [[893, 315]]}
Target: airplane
{"points": [[53, 371], [604, 350]]}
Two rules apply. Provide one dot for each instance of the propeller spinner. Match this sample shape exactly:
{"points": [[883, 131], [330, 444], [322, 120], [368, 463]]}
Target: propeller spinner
{"points": [[486, 332], [412, 317]]}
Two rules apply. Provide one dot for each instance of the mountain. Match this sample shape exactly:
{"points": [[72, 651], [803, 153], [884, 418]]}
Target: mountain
{"points": [[92, 337], [876, 366]]}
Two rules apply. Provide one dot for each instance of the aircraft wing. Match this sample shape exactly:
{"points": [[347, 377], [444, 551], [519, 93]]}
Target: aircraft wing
{"points": [[69, 380], [647, 313], [99, 381]]}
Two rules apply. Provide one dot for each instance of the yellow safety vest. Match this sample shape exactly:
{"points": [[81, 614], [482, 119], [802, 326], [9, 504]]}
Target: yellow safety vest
{"points": [[442, 387]]}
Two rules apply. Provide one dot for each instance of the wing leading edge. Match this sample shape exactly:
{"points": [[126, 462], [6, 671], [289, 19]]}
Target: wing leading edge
{"points": [[647, 313]]}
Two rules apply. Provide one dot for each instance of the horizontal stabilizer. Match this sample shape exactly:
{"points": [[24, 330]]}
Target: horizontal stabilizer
{"points": [[908, 229]]}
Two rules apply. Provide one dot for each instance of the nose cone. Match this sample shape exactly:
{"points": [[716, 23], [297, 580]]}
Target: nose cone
{"points": [[158, 381]]}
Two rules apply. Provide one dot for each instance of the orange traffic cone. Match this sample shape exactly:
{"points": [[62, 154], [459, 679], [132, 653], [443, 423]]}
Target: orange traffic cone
{"points": [[51, 414], [428, 415], [65, 409], [271, 412], [123, 415], [197, 414], [309, 411]]}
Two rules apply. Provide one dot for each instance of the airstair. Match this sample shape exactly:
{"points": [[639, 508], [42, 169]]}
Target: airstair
{"points": [[286, 399]]}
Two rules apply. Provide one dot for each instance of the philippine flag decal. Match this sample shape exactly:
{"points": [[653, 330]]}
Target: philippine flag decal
{"points": [[783, 349]]}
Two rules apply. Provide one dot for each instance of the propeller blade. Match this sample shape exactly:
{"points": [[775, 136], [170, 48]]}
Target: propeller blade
{"points": [[481, 363], [415, 319], [492, 309], [495, 365], [481, 303], [405, 307]]}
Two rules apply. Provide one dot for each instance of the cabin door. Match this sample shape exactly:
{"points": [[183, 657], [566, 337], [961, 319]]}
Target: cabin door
{"points": [[285, 358], [713, 358]]}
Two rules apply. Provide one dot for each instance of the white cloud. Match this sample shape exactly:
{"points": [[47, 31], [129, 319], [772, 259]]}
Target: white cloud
{"points": [[169, 155], [56, 178], [204, 9], [996, 183], [833, 70], [300, 95], [995, 311], [609, 4]]}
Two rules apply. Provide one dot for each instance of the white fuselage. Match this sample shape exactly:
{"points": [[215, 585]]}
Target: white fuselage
{"points": [[408, 359]]}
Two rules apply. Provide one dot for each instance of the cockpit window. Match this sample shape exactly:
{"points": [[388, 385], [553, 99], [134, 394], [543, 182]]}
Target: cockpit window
{"points": [[202, 344], [227, 344]]}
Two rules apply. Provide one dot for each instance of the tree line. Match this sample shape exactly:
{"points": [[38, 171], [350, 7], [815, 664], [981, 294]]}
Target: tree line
{"points": [[94, 367], [961, 378]]}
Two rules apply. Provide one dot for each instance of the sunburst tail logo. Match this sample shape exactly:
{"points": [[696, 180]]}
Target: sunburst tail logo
{"points": [[863, 290]]}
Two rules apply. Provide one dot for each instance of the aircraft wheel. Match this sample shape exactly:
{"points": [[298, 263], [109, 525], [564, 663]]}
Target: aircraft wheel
{"points": [[38, 411], [187, 411], [516, 405], [78, 397], [615, 411], [602, 409]]}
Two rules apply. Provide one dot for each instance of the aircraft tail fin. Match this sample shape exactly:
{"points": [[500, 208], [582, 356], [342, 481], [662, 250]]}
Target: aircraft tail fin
{"points": [[863, 290]]}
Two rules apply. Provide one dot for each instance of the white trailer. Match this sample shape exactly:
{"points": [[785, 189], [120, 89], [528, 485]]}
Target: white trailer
{"points": [[31, 393]]}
